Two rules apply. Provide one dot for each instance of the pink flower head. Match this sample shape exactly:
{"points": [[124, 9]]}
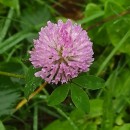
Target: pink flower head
{"points": [[62, 51]]}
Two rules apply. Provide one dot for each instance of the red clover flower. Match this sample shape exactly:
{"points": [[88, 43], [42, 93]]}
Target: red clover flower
{"points": [[62, 51]]}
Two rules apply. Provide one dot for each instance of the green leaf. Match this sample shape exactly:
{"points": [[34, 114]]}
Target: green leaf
{"points": [[91, 126], [9, 127], [59, 95], [9, 94], [113, 52], [125, 3], [32, 82], [35, 20], [120, 84], [92, 12], [96, 108], [77, 114], [14, 40], [92, 9], [126, 126], [8, 97], [7, 24], [89, 81], [11, 3], [59, 125], [80, 98], [2, 126], [116, 28], [12, 67]]}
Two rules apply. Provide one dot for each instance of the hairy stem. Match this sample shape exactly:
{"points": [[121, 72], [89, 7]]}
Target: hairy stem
{"points": [[24, 101]]}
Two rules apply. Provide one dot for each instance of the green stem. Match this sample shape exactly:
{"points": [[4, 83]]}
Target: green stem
{"points": [[7, 24], [113, 53], [12, 75]]}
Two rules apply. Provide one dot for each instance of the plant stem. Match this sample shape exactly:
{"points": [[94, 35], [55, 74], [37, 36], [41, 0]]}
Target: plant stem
{"points": [[12, 75], [24, 101]]}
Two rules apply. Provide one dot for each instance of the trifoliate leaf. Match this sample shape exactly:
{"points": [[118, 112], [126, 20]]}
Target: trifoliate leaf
{"points": [[59, 95], [80, 98]]}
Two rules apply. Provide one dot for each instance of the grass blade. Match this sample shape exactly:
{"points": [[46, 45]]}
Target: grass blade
{"points": [[103, 65]]}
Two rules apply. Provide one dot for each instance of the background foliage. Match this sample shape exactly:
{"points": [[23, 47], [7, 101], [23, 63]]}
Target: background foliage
{"points": [[88, 102]]}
